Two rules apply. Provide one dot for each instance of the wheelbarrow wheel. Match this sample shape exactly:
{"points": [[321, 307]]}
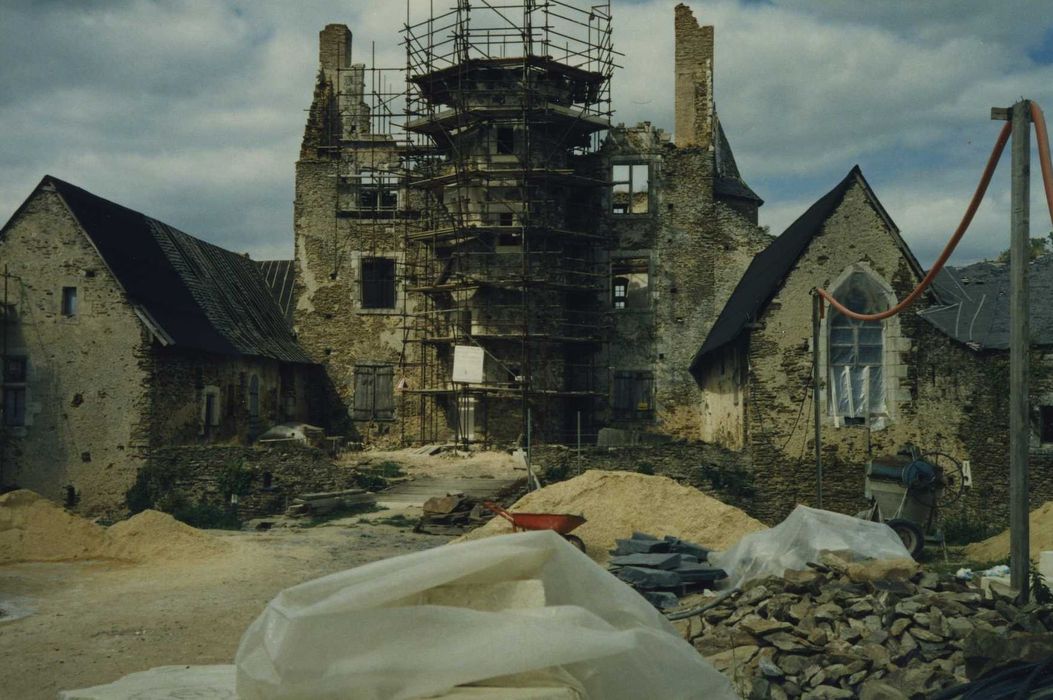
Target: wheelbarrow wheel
{"points": [[576, 541], [911, 535]]}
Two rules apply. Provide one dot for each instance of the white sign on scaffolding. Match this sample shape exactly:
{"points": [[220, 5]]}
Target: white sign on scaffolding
{"points": [[467, 364]]}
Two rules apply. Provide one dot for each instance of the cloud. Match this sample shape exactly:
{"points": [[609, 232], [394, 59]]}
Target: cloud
{"points": [[193, 112]]}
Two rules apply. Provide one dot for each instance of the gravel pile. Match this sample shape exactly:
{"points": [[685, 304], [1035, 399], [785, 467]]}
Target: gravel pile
{"points": [[882, 630]]}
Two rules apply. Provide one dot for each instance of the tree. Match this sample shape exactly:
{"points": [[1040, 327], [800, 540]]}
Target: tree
{"points": [[1039, 247]]}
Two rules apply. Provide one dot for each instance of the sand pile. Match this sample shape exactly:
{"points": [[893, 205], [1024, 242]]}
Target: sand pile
{"points": [[617, 503], [153, 535], [32, 528], [997, 547]]}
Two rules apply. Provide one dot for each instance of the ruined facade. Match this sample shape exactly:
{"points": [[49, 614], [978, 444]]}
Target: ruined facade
{"points": [[583, 261], [122, 334], [884, 384]]}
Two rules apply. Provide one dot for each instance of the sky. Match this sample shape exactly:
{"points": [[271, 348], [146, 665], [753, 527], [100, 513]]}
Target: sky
{"points": [[192, 111]]}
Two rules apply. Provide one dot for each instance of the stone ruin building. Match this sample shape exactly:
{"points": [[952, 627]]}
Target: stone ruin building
{"points": [[502, 211]]}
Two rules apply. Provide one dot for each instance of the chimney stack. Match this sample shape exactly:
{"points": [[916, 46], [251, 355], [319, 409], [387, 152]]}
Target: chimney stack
{"points": [[694, 81]]}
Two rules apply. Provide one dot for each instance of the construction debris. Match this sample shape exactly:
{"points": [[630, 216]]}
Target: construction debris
{"points": [[670, 569], [329, 502], [616, 503], [452, 514], [871, 631]]}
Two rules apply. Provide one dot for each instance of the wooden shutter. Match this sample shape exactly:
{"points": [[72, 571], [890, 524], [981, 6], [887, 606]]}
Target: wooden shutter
{"points": [[384, 393], [363, 402]]}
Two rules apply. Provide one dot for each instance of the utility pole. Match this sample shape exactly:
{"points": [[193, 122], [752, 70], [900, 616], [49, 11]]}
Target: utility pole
{"points": [[1019, 345], [817, 311]]}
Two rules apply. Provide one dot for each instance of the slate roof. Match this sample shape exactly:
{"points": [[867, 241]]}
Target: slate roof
{"points": [[278, 274], [729, 182], [189, 293], [769, 268], [976, 308]]}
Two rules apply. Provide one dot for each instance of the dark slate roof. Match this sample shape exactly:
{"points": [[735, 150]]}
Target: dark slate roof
{"points": [[188, 292], [976, 308], [769, 268], [729, 182], [278, 274]]}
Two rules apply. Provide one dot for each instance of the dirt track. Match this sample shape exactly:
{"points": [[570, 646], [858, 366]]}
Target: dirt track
{"points": [[93, 622]]}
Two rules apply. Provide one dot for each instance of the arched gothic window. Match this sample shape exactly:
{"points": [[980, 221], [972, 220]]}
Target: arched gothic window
{"points": [[856, 351]]}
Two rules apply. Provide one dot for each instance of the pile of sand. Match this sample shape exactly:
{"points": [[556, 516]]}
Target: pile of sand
{"points": [[32, 528], [617, 503], [997, 548]]}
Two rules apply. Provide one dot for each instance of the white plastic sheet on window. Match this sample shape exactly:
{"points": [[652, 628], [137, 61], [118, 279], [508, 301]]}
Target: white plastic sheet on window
{"points": [[857, 390], [800, 538], [403, 628]]}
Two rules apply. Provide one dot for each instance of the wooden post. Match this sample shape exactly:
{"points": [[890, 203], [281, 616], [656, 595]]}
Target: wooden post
{"points": [[1019, 342], [817, 309]]}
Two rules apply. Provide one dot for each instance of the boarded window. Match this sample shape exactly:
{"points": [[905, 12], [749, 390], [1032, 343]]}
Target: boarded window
{"points": [[69, 301], [378, 283], [633, 395], [374, 393], [14, 390], [631, 193]]}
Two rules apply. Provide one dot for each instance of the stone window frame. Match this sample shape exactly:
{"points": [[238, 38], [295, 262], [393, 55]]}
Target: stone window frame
{"points": [[217, 412], [356, 289], [616, 180], [893, 344], [69, 301], [623, 269]]}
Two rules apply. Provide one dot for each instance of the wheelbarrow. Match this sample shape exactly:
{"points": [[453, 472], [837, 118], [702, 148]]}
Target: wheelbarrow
{"points": [[560, 523]]}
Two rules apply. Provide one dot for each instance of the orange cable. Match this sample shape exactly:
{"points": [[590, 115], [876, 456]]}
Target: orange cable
{"points": [[974, 204]]}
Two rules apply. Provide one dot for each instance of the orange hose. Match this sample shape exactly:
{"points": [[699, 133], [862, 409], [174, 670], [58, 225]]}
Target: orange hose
{"points": [[974, 204], [1043, 154]]}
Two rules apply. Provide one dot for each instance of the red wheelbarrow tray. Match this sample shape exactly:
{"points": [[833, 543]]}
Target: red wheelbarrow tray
{"points": [[560, 522]]}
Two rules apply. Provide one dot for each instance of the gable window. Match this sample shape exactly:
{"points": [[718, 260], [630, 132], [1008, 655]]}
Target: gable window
{"points": [[374, 393], [69, 301], [856, 352], [378, 283], [631, 192], [14, 390], [633, 395]]}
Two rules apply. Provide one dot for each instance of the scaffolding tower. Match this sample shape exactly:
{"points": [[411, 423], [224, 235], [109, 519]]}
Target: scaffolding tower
{"points": [[505, 105]]}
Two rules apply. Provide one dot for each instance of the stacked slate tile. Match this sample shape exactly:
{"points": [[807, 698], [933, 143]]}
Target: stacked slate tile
{"points": [[663, 570]]}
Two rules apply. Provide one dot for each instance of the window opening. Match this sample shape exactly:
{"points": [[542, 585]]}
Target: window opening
{"points": [[1046, 416], [856, 351], [620, 292], [378, 195], [254, 396], [631, 189], [630, 284], [506, 140], [633, 397], [69, 301], [378, 283]]}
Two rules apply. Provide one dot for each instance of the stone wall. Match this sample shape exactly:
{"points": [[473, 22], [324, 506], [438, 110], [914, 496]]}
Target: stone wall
{"points": [[85, 391], [694, 112], [273, 475]]}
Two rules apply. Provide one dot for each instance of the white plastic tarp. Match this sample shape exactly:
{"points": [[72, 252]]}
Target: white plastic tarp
{"points": [[800, 538], [392, 630]]}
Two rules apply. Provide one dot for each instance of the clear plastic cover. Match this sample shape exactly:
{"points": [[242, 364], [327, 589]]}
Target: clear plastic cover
{"points": [[800, 538], [525, 609]]}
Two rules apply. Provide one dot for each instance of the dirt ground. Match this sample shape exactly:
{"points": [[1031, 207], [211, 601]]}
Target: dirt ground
{"points": [[92, 622], [448, 464]]}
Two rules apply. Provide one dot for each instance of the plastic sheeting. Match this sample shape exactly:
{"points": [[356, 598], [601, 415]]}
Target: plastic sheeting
{"points": [[800, 538], [197, 682], [392, 629]]}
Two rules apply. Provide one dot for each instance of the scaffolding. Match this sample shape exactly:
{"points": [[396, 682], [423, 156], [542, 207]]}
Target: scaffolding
{"points": [[512, 98], [480, 153]]}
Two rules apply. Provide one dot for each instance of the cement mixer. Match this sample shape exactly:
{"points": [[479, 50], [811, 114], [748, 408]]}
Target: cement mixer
{"points": [[906, 490]]}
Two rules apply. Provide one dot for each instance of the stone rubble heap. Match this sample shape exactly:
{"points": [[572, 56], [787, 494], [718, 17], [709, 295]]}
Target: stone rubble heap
{"points": [[877, 631]]}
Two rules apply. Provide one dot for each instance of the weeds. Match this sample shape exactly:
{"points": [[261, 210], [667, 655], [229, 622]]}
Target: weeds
{"points": [[963, 528]]}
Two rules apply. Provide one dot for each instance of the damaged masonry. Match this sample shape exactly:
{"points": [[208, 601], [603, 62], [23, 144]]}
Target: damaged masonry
{"points": [[563, 348]]}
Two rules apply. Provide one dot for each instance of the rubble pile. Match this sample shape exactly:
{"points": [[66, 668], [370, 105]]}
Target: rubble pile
{"points": [[663, 570], [451, 514], [875, 630]]}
